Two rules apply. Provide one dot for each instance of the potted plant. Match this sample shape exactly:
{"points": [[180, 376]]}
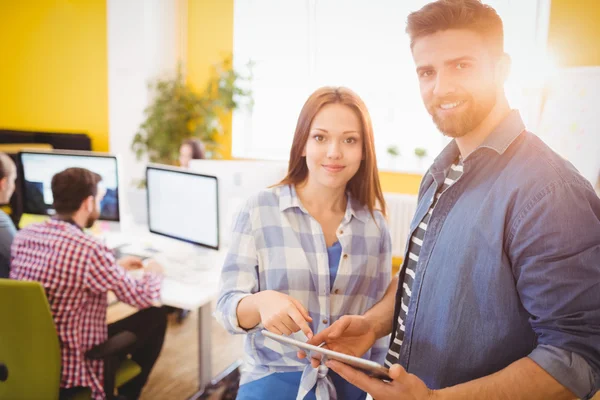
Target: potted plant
{"points": [[420, 153], [393, 152], [178, 112]]}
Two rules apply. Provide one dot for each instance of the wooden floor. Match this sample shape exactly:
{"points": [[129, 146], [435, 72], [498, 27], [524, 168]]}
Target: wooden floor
{"points": [[175, 375]]}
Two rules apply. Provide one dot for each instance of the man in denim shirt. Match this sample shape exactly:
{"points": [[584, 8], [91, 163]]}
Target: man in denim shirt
{"points": [[499, 294]]}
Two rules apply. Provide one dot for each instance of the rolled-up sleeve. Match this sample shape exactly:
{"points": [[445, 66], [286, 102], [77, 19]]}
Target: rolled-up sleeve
{"points": [[104, 274], [555, 252], [239, 276]]}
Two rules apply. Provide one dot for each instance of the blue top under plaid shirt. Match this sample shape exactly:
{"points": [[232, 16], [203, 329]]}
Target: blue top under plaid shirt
{"points": [[277, 245]]}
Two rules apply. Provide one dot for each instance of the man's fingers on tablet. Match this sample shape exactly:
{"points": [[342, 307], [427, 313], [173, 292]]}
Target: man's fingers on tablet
{"points": [[353, 376], [301, 355], [338, 328], [319, 337], [397, 372], [333, 332]]}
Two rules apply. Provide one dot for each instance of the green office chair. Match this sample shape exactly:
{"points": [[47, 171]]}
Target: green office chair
{"points": [[30, 352]]}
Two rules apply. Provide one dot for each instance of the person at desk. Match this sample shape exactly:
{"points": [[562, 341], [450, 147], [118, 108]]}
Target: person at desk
{"points": [[499, 293], [309, 250], [191, 149], [77, 271], [8, 175]]}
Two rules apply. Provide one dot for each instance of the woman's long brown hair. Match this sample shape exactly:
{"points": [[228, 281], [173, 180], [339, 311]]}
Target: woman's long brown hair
{"points": [[364, 185]]}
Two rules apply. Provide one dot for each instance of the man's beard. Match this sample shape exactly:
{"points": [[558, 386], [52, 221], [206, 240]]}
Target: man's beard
{"points": [[465, 121], [92, 219]]}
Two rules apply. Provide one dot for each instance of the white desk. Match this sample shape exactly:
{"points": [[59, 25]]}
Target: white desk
{"points": [[183, 295]]}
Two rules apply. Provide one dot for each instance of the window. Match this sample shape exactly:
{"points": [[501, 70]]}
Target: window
{"points": [[300, 45]]}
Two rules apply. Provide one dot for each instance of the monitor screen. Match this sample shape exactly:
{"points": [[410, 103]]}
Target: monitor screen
{"points": [[183, 205], [38, 168], [238, 180]]}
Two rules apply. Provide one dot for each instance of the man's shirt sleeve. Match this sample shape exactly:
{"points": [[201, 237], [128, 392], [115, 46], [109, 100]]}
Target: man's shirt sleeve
{"points": [[554, 246]]}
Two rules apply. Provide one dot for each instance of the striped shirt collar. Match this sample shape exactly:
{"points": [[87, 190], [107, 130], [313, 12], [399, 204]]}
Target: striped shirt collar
{"points": [[289, 199]]}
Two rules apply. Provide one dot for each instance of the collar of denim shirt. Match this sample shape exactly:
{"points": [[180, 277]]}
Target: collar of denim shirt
{"points": [[507, 131]]}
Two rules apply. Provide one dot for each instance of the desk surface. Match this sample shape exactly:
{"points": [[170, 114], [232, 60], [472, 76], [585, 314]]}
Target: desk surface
{"points": [[174, 293], [197, 295]]}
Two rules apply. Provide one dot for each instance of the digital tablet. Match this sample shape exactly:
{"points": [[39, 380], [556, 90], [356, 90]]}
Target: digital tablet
{"points": [[370, 367]]}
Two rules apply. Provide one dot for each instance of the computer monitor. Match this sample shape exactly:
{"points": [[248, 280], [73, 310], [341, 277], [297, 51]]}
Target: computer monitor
{"points": [[238, 180], [37, 169], [183, 205]]}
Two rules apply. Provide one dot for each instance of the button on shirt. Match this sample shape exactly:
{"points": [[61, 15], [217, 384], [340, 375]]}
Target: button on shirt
{"points": [[76, 271], [509, 267], [277, 245]]}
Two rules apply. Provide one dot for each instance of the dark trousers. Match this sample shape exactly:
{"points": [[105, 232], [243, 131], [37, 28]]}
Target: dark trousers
{"points": [[149, 326]]}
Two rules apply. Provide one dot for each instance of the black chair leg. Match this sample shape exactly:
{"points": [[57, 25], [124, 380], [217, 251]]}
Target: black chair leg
{"points": [[111, 364]]}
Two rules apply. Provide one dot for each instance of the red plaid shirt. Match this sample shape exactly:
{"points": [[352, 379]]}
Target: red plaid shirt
{"points": [[77, 270]]}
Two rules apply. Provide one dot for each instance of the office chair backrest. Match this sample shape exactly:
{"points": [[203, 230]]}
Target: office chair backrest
{"points": [[29, 346]]}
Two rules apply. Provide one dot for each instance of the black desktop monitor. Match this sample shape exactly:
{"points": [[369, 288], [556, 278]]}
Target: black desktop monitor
{"points": [[183, 205], [37, 169]]}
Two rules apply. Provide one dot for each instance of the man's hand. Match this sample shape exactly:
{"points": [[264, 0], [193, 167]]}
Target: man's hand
{"points": [[130, 263], [153, 266], [403, 385], [351, 334]]}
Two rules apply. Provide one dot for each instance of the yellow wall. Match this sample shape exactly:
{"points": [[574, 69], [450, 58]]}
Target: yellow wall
{"points": [[53, 67], [210, 40], [574, 33], [392, 182]]}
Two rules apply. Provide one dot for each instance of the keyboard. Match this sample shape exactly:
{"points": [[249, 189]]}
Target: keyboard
{"points": [[185, 268]]}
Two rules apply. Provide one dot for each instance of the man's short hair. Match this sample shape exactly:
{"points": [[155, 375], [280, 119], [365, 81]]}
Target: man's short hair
{"points": [[71, 187], [442, 15], [6, 165]]}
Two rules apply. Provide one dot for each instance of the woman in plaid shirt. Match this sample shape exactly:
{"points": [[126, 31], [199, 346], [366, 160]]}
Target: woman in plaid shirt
{"points": [[308, 251]]}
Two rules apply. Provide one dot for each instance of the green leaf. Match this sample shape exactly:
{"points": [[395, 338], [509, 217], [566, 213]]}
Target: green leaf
{"points": [[177, 112]]}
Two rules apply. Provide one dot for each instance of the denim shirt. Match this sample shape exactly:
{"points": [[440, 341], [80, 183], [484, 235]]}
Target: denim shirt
{"points": [[509, 267]]}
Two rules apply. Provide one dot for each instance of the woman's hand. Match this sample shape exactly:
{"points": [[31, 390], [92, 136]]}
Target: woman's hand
{"points": [[282, 314]]}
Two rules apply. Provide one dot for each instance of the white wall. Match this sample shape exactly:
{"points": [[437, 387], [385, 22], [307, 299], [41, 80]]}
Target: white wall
{"points": [[146, 39]]}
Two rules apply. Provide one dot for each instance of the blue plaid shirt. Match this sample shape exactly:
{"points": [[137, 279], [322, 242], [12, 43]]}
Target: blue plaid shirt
{"points": [[277, 245]]}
